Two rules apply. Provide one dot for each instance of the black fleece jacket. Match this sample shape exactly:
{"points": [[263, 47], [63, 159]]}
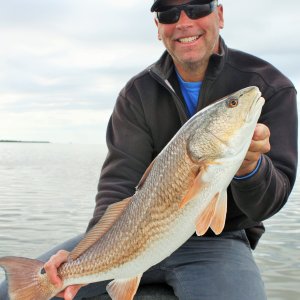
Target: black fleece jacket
{"points": [[150, 109]]}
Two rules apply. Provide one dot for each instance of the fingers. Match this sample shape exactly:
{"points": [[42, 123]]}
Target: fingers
{"points": [[261, 146], [251, 156], [261, 140], [52, 265], [261, 132], [71, 291]]}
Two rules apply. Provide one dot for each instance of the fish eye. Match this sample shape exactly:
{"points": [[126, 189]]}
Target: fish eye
{"points": [[233, 103]]}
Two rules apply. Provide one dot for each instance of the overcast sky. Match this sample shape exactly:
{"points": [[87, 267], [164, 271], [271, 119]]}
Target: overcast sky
{"points": [[63, 62]]}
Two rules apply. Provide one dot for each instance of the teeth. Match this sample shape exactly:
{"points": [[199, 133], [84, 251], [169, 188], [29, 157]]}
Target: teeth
{"points": [[188, 39]]}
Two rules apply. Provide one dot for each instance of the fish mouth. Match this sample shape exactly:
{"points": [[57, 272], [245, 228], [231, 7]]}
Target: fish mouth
{"points": [[256, 107]]}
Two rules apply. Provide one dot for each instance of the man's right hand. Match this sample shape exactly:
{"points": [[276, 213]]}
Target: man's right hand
{"points": [[51, 267]]}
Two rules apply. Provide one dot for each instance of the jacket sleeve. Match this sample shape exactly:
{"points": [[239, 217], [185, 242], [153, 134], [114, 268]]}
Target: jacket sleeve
{"points": [[262, 195], [130, 151]]}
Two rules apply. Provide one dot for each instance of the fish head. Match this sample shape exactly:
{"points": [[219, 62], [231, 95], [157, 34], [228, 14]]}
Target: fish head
{"points": [[225, 128]]}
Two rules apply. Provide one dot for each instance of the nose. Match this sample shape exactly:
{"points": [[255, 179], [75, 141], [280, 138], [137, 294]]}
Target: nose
{"points": [[184, 21]]}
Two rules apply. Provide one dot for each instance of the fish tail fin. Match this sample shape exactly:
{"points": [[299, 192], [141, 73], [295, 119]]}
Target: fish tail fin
{"points": [[25, 281]]}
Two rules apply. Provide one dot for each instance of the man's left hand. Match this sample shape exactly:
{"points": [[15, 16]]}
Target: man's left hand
{"points": [[260, 144]]}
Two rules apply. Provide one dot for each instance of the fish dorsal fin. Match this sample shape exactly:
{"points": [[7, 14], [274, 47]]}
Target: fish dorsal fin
{"points": [[218, 221], [123, 289], [204, 219], [196, 187], [104, 224], [144, 177]]}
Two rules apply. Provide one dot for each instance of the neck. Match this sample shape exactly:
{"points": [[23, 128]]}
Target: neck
{"points": [[192, 72]]}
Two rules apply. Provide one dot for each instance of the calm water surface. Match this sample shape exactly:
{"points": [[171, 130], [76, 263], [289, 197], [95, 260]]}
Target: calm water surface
{"points": [[47, 196]]}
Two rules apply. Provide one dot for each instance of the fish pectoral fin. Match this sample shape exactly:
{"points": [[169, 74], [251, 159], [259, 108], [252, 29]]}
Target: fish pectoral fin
{"points": [[218, 221], [205, 218], [104, 224], [123, 289], [195, 189]]}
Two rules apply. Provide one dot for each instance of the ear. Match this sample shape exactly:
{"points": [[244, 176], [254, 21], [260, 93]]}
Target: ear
{"points": [[220, 15], [156, 23]]}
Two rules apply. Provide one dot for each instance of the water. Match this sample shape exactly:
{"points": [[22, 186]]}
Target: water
{"points": [[47, 196]]}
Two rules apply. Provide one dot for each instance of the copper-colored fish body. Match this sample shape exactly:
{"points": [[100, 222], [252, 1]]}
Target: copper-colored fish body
{"points": [[182, 191], [148, 216]]}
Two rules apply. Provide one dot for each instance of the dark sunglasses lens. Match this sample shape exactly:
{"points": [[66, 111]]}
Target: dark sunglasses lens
{"points": [[169, 16], [197, 11], [194, 11]]}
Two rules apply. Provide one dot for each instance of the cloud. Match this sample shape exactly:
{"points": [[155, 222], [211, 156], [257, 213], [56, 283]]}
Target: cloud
{"points": [[69, 59], [262, 26], [62, 126]]}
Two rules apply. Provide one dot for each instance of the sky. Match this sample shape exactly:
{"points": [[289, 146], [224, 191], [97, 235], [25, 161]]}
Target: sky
{"points": [[63, 62]]}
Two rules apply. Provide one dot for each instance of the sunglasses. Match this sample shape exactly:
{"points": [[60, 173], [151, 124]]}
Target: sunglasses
{"points": [[193, 9]]}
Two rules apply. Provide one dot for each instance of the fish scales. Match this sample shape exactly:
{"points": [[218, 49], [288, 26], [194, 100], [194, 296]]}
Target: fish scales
{"points": [[139, 226], [183, 190]]}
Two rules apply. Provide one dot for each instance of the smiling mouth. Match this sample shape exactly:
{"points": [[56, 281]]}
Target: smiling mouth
{"points": [[188, 40]]}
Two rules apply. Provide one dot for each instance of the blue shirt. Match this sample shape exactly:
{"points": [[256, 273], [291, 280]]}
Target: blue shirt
{"points": [[190, 92]]}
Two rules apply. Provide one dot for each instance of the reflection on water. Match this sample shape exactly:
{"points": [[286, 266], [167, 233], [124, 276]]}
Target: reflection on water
{"points": [[47, 196]]}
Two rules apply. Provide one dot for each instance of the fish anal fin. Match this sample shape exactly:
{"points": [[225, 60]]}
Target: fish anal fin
{"points": [[205, 218], [145, 175], [123, 289], [218, 221], [195, 188], [104, 224]]}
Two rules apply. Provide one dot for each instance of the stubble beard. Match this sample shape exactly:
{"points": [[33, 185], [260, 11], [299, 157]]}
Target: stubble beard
{"points": [[195, 69]]}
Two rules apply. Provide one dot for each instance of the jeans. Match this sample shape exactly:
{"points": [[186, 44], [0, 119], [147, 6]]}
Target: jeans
{"points": [[209, 268]]}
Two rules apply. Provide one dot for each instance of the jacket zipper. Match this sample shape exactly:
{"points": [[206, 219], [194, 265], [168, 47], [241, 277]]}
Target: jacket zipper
{"points": [[166, 84]]}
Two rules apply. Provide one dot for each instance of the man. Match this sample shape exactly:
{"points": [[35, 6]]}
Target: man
{"points": [[196, 70]]}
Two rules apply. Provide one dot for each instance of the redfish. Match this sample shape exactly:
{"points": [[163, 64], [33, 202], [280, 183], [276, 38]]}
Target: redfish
{"points": [[183, 191]]}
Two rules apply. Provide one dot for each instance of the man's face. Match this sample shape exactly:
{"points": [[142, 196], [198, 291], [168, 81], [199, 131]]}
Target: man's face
{"points": [[191, 42]]}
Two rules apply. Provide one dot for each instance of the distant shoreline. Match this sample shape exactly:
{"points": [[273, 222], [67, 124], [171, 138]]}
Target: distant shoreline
{"points": [[28, 142]]}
